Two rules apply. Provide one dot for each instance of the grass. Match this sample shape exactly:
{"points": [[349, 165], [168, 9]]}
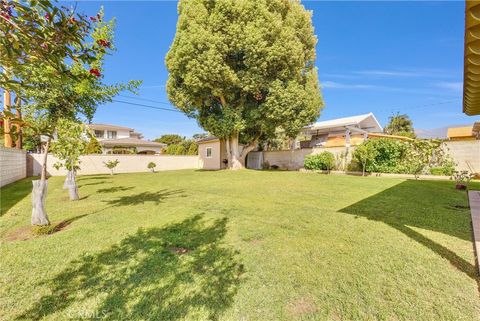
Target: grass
{"points": [[248, 245]]}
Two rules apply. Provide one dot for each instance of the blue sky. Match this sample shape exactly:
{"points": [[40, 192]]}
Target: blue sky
{"points": [[379, 57]]}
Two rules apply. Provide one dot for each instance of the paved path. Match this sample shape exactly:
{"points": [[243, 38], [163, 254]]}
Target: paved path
{"points": [[474, 199]]}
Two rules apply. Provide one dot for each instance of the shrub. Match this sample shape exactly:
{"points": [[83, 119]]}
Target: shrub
{"points": [[322, 161], [111, 165], [388, 155], [152, 166], [93, 146]]}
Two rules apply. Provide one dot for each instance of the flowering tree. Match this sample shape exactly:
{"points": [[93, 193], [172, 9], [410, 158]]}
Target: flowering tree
{"points": [[56, 67]]}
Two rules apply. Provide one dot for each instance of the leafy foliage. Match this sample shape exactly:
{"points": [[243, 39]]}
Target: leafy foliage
{"points": [[365, 154], [93, 146], [170, 139], [245, 68], [70, 144], [400, 125], [323, 161]]}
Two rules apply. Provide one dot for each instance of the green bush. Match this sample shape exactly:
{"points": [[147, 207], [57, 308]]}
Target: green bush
{"points": [[446, 170], [322, 161], [389, 156]]}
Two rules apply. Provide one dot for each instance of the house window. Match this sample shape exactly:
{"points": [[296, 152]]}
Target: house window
{"points": [[111, 135], [209, 152], [99, 133]]}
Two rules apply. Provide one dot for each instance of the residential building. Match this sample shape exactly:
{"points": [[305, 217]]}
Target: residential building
{"points": [[465, 132], [343, 132], [124, 140]]}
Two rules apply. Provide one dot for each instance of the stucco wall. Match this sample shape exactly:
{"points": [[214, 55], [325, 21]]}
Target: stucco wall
{"points": [[466, 154], [12, 165], [213, 162], [293, 160], [94, 164]]}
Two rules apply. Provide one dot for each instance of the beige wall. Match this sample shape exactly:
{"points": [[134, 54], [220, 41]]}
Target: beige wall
{"points": [[93, 164], [12, 165], [213, 162], [293, 160], [466, 154]]}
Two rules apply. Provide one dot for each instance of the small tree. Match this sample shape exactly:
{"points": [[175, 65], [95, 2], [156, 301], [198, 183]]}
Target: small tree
{"points": [[93, 146], [152, 166], [111, 165], [71, 142], [365, 153]]}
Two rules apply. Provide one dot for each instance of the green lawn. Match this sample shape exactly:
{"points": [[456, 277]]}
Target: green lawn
{"points": [[247, 245]]}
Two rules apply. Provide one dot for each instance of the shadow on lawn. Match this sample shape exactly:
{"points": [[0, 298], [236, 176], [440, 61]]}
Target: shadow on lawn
{"points": [[115, 189], [13, 193], [155, 274], [429, 205], [155, 197]]}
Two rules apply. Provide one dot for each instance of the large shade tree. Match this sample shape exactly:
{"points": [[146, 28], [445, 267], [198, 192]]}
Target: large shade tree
{"points": [[244, 69]]}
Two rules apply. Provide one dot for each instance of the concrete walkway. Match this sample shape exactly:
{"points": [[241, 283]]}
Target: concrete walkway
{"points": [[474, 200]]}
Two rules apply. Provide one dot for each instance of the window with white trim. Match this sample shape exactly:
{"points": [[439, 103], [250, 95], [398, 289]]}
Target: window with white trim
{"points": [[209, 152]]}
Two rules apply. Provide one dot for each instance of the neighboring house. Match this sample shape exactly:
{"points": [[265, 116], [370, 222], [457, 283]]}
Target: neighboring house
{"points": [[342, 132], [123, 140], [465, 132]]}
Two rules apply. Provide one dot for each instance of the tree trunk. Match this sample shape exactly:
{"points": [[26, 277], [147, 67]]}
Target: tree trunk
{"points": [[39, 194], [236, 162], [71, 185], [236, 158]]}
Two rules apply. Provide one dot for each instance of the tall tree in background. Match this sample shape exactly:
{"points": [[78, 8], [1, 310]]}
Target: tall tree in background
{"points": [[400, 124], [244, 69]]}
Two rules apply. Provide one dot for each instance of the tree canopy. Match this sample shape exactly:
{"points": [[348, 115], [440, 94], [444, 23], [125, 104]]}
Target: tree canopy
{"points": [[400, 124], [244, 69]]}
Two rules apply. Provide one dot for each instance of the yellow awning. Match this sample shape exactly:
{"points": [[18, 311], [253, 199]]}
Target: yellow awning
{"points": [[471, 81]]}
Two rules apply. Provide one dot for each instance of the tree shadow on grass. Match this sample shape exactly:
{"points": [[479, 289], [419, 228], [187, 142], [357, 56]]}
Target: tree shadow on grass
{"points": [[115, 189], [13, 193], [137, 199], [429, 205], [180, 271]]}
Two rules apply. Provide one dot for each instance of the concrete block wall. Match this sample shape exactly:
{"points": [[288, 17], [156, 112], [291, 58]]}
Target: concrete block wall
{"points": [[13, 165], [94, 164], [466, 154]]}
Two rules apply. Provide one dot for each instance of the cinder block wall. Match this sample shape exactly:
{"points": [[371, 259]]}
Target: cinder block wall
{"points": [[94, 164], [466, 154], [13, 165]]}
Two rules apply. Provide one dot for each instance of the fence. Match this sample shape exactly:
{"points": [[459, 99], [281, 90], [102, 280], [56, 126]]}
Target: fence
{"points": [[94, 164], [12, 165]]}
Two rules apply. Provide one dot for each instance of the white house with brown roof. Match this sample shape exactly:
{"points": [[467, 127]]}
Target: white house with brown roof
{"points": [[123, 140]]}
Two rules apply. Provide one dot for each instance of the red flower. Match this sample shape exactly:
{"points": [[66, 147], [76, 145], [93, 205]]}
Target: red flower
{"points": [[93, 19], [95, 72], [103, 43], [73, 20], [5, 15], [47, 16]]}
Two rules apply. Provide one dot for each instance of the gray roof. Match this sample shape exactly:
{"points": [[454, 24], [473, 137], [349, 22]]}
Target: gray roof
{"points": [[130, 142], [109, 127], [207, 139]]}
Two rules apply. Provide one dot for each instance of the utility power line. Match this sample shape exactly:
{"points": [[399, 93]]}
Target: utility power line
{"points": [[145, 99], [145, 106]]}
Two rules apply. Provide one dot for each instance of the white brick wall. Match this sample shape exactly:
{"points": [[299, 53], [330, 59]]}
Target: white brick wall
{"points": [[13, 165]]}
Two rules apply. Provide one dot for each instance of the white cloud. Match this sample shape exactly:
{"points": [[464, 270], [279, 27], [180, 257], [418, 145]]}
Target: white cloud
{"points": [[337, 85], [452, 85]]}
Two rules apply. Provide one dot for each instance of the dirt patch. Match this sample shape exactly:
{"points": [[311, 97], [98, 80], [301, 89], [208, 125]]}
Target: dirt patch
{"points": [[24, 233], [302, 306], [179, 250], [256, 242]]}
